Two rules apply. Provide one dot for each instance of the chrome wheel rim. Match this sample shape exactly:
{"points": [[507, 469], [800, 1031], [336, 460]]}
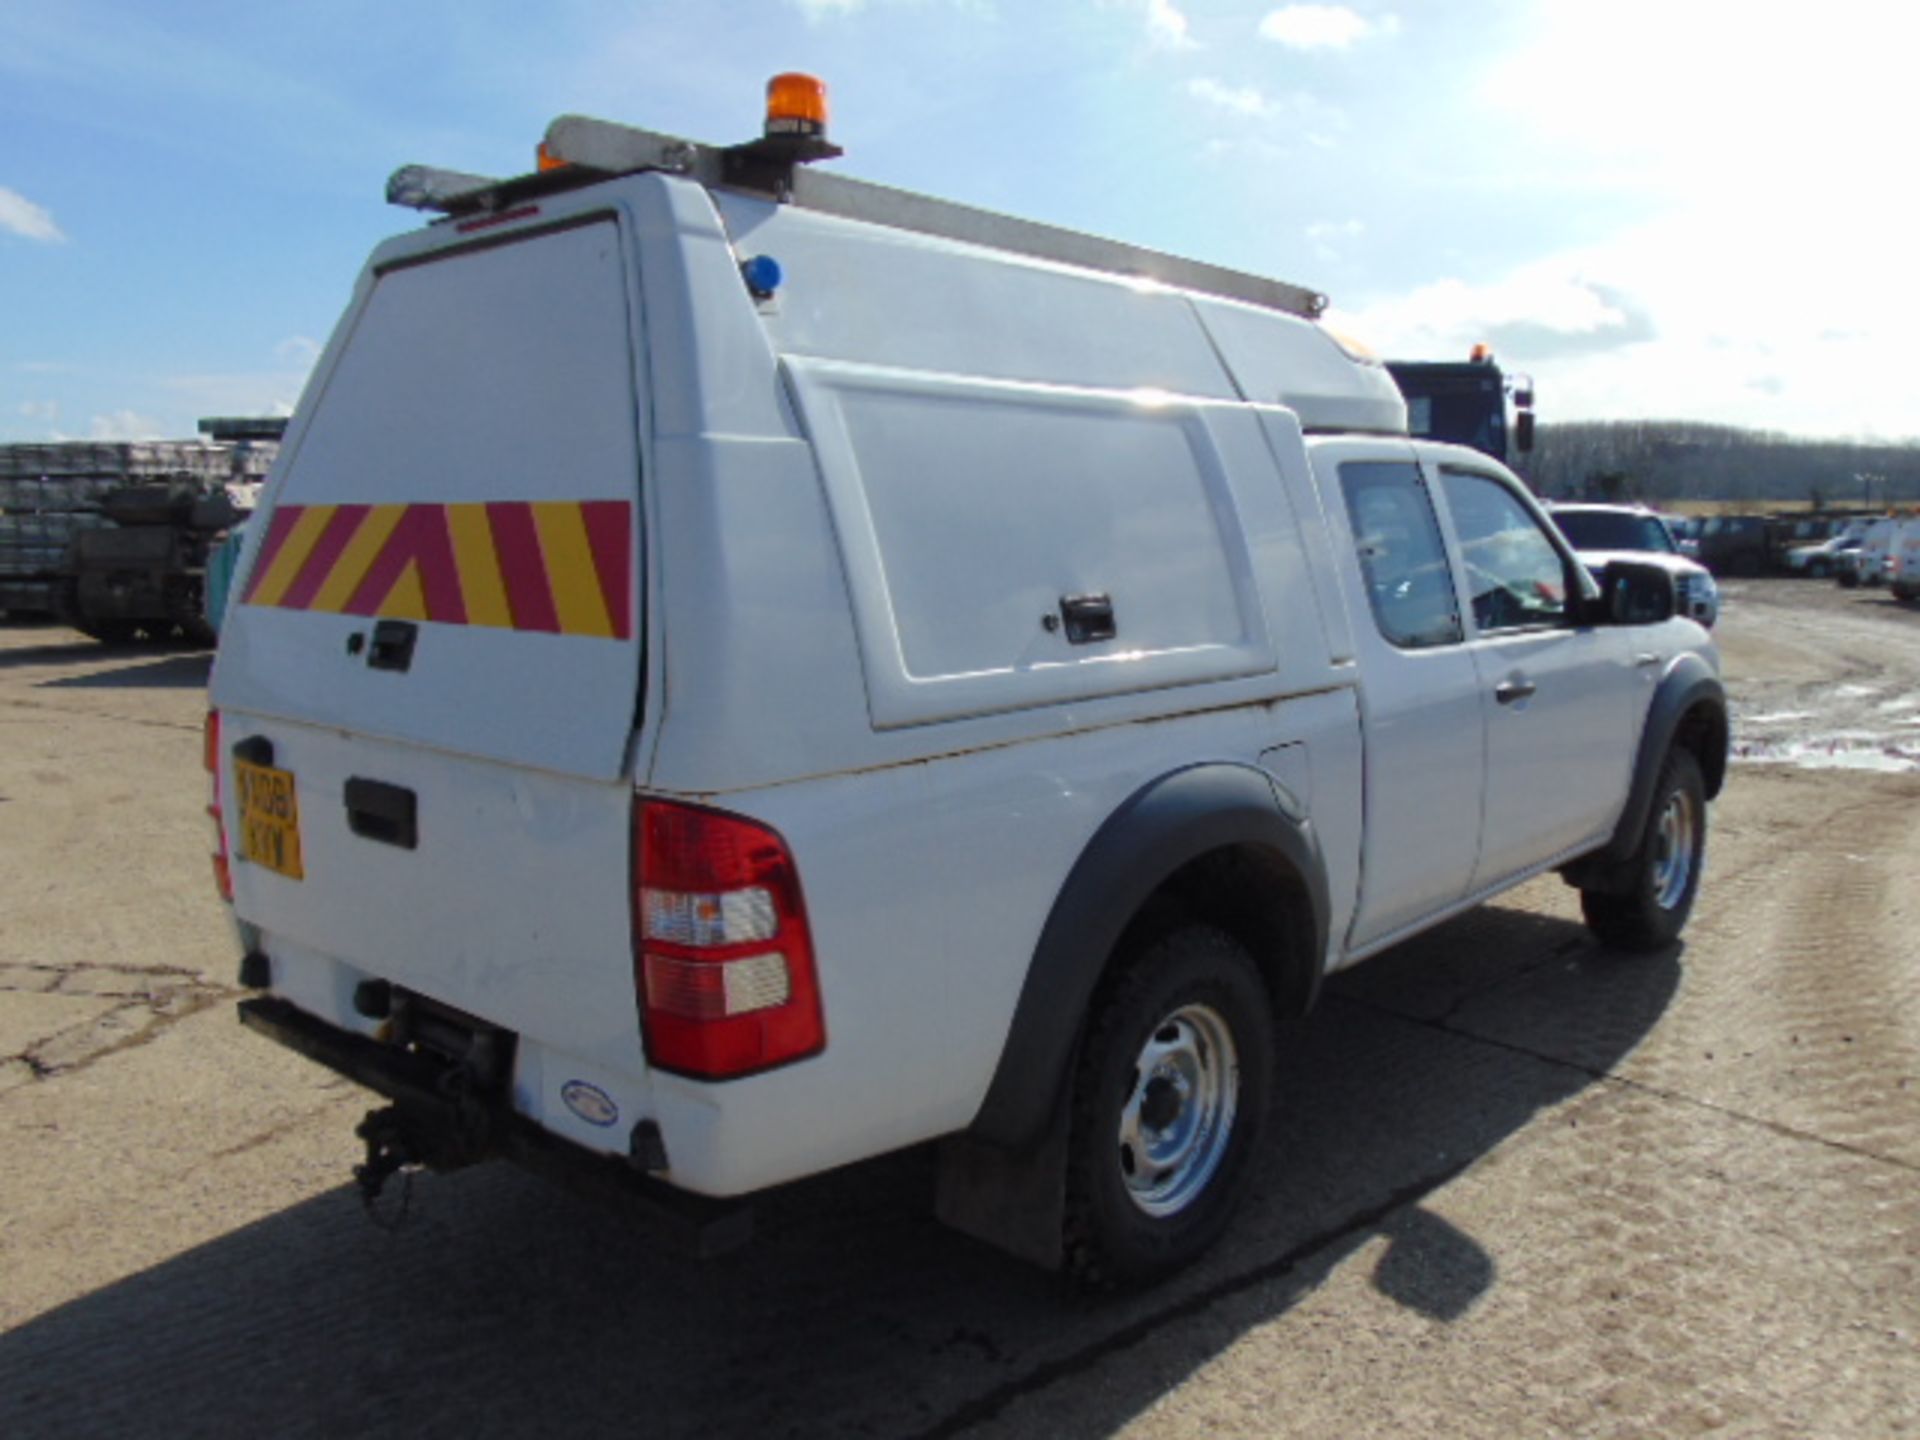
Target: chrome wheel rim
{"points": [[1177, 1120], [1673, 847]]}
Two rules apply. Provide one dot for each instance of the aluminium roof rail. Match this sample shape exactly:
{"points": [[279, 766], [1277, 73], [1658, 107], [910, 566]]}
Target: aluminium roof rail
{"points": [[601, 147]]}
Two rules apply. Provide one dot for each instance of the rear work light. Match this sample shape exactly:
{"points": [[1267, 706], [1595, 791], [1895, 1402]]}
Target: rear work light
{"points": [[210, 757], [723, 958]]}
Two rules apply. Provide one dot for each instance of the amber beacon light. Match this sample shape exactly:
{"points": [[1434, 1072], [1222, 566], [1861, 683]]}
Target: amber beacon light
{"points": [[797, 106]]}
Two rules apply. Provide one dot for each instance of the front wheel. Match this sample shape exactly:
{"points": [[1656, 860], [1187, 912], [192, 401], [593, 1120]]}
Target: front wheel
{"points": [[1665, 870], [1169, 1102]]}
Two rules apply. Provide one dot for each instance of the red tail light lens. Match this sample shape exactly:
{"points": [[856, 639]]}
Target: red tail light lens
{"points": [[210, 757], [723, 958]]}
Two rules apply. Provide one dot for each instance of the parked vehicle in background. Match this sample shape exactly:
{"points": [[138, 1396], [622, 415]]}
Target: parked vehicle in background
{"points": [[1903, 560], [1867, 565], [1469, 403], [1685, 530], [1602, 534], [1734, 544], [1824, 558]]}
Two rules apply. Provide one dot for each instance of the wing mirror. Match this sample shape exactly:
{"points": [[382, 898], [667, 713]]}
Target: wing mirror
{"points": [[1635, 594]]}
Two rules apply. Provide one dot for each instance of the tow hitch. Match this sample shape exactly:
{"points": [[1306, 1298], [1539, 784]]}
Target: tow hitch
{"points": [[448, 1114], [454, 1130], [387, 1154]]}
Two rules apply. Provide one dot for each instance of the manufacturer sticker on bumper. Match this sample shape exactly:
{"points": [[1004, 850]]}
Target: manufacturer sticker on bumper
{"points": [[590, 1103]]}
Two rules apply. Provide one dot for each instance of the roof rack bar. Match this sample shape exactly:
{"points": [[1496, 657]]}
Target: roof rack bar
{"points": [[603, 147], [422, 187]]}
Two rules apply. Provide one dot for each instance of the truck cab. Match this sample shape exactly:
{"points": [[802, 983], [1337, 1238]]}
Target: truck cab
{"points": [[737, 671]]}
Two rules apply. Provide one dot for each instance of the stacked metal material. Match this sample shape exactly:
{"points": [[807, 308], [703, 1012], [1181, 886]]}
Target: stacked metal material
{"points": [[49, 492]]}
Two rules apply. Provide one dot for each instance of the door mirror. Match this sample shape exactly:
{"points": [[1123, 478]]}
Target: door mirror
{"points": [[1523, 432], [1637, 594]]}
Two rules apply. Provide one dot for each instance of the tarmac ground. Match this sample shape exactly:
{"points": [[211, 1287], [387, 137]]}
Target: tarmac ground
{"points": [[1518, 1186]]}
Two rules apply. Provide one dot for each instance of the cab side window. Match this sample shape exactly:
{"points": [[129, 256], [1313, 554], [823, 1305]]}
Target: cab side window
{"points": [[1402, 559], [1516, 579]]}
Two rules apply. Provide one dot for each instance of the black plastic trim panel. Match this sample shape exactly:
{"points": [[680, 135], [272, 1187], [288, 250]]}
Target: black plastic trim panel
{"points": [[1174, 820]]}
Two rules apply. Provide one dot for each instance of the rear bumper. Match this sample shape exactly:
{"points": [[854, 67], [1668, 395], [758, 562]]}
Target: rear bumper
{"points": [[456, 1128]]}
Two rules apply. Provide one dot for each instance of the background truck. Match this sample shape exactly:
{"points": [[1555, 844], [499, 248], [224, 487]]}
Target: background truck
{"points": [[857, 671], [1468, 403]]}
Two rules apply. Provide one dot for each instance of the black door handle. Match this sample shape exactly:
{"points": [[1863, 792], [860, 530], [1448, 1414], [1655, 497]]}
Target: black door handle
{"points": [[1509, 691], [383, 812], [1089, 618], [393, 645]]}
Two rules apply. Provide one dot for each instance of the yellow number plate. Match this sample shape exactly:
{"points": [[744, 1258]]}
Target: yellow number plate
{"points": [[269, 818]]}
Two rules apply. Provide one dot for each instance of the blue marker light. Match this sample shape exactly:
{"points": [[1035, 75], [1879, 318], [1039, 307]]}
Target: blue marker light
{"points": [[762, 274]]}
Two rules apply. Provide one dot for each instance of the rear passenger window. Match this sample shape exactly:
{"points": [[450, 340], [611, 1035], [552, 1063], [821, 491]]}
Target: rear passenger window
{"points": [[1402, 560], [1515, 576]]}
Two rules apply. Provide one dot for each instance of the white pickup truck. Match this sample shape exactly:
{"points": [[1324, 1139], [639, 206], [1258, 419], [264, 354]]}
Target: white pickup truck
{"points": [[737, 671]]}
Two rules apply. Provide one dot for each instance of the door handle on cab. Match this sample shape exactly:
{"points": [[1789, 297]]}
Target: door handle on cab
{"points": [[1509, 691], [393, 645]]}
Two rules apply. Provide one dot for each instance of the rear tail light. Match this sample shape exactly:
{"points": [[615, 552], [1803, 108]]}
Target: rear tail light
{"points": [[723, 958], [210, 757]]}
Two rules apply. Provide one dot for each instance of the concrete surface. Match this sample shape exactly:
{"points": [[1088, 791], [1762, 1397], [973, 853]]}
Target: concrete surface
{"points": [[1519, 1186]]}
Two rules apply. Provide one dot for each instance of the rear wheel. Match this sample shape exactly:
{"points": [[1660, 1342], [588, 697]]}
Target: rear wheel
{"points": [[1169, 1102], [1665, 870]]}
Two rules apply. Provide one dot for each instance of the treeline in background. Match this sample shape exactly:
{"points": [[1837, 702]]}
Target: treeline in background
{"points": [[1680, 460]]}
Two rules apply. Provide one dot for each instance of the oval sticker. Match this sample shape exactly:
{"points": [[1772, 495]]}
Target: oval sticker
{"points": [[590, 1103]]}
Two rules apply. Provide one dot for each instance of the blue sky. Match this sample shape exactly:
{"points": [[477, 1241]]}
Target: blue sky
{"points": [[1675, 208]]}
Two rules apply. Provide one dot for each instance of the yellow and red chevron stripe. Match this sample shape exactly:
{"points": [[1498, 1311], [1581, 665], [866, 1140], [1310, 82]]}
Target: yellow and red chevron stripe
{"points": [[563, 567]]}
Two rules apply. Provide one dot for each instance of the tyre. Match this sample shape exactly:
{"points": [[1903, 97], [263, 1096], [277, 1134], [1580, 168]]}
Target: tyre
{"points": [[1652, 911], [1818, 569], [1169, 1101], [109, 632], [1849, 579]]}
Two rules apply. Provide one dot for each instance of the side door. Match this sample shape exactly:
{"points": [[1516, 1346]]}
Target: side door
{"points": [[1421, 694], [1558, 697]]}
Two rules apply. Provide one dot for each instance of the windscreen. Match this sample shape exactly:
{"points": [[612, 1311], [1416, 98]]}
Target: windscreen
{"points": [[1613, 530]]}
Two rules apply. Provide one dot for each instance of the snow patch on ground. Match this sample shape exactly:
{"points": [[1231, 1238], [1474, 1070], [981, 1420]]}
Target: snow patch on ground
{"points": [[1851, 750]]}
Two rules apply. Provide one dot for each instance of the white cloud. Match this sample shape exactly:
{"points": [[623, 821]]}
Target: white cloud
{"points": [[1327, 236], [26, 219], [1245, 100], [1304, 117], [1167, 26], [1742, 100], [1323, 27], [1769, 249], [1559, 306], [239, 393], [300, 350], [1679, 317], [124, 425]]}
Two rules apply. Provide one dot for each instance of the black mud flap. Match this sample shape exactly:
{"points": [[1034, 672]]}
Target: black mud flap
{"points": [[439, 1119]]}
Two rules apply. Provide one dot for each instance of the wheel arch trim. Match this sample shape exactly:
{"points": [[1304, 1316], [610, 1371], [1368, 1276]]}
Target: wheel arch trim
{"points": [[1161, 828], [1690, 688]]}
